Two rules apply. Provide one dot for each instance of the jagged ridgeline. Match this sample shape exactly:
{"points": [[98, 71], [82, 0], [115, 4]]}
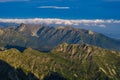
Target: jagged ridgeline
{"points": [[45, 38], [64, 62]]}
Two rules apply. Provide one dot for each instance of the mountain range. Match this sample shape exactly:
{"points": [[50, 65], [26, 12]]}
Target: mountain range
{"points": [[45, 38], [39, 52]]}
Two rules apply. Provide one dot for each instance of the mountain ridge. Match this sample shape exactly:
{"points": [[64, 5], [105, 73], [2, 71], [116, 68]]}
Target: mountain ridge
{"points": [[76, 61], [45, 38]]}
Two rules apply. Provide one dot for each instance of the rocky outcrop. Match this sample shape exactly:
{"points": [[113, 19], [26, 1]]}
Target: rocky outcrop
{"points": [[1, 32]]}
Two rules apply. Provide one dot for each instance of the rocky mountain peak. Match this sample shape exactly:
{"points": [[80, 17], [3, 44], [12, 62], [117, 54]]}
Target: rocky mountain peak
{"points": [[90, 32], [22, 27], [29, 29], [78, 51], [72, 48]]}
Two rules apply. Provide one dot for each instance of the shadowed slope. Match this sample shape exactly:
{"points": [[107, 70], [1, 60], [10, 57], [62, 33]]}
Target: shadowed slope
{"points": [[8, 72]]}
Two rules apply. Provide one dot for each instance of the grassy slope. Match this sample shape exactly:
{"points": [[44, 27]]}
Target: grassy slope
{"points": [[73, 63]]}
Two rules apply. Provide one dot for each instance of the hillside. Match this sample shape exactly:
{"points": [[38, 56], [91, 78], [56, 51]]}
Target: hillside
{"points": [[45, 38], [65, 62]]}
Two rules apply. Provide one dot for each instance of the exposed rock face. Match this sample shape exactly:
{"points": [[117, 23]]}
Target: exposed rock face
{"points": [[2, 48], [74, 50], [61, 27], [1, 32], [29, 29], [22, 28], [90, 32]]}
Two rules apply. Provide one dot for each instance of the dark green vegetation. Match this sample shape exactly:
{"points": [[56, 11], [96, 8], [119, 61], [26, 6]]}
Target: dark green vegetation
{"points": [[8, 72], [64, 62], [45, 38]]}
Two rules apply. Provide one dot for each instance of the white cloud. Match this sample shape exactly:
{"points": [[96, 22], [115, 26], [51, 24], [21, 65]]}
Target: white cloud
{"points": [[54, 7], [54, 21], [13, 0]]}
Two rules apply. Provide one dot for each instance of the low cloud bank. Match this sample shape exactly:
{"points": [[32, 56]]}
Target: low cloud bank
{"points": [[55, 21]]}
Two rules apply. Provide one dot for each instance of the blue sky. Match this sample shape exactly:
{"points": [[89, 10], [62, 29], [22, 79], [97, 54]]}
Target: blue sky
{"points": [[66, 9]]}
